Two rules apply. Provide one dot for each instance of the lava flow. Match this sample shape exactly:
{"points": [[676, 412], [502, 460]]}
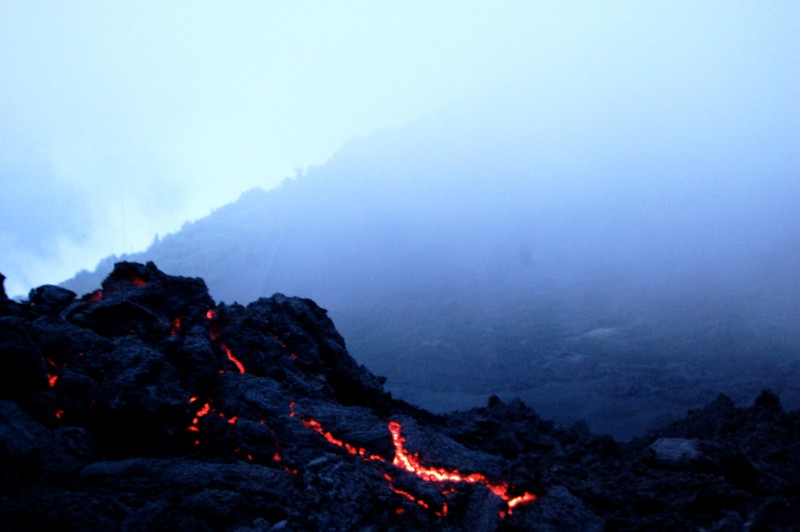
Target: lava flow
{"points": [[176, 327], [410, 462], [233, 359], [52, 378], [138, 281], [205, 410]]}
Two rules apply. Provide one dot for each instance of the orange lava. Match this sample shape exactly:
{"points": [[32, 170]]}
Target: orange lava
{"points": [[233, 358], [51, 377], [94, 297], [211, 315], [200, 413], [410, 462], [359, 451], [138, 281]]}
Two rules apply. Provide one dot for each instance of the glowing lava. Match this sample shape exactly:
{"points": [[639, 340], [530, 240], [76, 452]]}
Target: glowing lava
{"points": [[233, 358], [52, 377], [410, 462], [94, 297], [204, 411]]}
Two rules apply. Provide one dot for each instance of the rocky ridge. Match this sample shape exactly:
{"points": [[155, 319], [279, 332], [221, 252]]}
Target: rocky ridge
{"points": [[146, 405]]}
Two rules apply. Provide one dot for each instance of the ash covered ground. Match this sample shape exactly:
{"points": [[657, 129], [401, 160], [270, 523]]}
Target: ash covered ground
{"points": [[147, 405]]}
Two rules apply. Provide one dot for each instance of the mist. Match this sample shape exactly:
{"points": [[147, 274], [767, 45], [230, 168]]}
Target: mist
{"points": [[596, 214]]}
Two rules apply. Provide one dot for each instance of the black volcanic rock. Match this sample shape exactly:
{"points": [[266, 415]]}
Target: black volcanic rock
{"points": [[145, 405]]}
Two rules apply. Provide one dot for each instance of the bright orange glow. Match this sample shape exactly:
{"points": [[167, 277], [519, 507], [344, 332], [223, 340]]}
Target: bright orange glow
{"points": [[204, 411], [211, 315], [176, 326], [411, 498], [59, 413], [314, 425], [200, 413], [95, 296], [233, 359], [410, 462], [52, 378], [521, 499]]}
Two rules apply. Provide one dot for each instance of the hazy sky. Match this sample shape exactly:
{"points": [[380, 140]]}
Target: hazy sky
{"points": [[123, 120]]}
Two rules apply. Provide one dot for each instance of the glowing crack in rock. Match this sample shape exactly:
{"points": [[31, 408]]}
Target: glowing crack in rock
{"points": [[410, 462], [204, 411], [232, 358], [94, 297], [403, 459], [52, 378]]}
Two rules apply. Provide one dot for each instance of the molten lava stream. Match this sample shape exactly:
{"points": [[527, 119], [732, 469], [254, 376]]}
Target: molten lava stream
{"points": [[410, 462], [52, 377], [232, 358]]}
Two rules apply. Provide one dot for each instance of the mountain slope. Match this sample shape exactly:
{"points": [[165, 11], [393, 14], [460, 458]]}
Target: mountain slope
{"points": [[147, 405], [622, 269]]}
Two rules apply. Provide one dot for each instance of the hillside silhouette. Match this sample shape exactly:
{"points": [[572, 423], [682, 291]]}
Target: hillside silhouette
{"points": [[621, 270]]}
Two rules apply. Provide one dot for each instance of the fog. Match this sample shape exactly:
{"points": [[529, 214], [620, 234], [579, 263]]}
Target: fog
{"points": [[597, 214], [121, 121], [603, 258]]}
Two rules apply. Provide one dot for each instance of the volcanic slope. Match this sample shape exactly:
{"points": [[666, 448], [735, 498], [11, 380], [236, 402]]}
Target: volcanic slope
{"points": [[548, 239], [575, 301], [146, 405]]}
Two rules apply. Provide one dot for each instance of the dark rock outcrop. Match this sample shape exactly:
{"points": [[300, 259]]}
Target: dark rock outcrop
{"points": [[145, 405]]}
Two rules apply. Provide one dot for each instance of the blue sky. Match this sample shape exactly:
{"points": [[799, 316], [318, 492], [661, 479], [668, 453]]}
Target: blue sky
{"points": [[123, 120]]}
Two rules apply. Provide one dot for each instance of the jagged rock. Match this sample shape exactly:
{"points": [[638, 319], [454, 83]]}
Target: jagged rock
{"points": [[559, 510], [49, 298], [675, 452], [145, 405]]}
